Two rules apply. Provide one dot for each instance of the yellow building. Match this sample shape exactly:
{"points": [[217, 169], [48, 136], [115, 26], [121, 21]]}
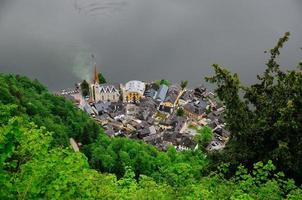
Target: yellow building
{"points": [[134, 91]]}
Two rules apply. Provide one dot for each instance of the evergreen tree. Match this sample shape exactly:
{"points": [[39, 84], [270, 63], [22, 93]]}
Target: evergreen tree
{"points": [[85, 88], [102, 78], [266, 123]]}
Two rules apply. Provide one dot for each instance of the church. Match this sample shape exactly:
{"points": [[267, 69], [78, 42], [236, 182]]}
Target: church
{"points": [[102, 92]]}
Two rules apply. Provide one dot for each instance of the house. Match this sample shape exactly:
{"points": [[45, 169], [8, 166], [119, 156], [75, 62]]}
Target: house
{"points": [[107, 92], [152, 130], [148, 103], [150, 120], [186, 97], [180, 124], [162, 93], [142, 133], [188, 142], [215, 145], [178, 139], [102, 92], [152, 139], [196, 109], [219, 111], [116, 107], [87, 108], [211, 116], [199, 91], [150, 93], [132, 109], [133, 91], [168, 104], [102, 107], [148, 107], [109, 131], [146, 131]]}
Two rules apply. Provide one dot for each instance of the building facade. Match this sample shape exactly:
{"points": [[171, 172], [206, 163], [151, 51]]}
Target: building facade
{"points": [[103, 92], [108, 93], [133, 91]]}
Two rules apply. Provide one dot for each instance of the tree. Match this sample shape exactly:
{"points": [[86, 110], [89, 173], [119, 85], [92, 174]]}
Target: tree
{"points": [[102, 78], [203, 137], [265, 118], [184, 84], [85, 88], [165, 82], [180, 112]]}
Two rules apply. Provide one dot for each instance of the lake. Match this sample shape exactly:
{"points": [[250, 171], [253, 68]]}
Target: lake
{"points": [[53, 40]]}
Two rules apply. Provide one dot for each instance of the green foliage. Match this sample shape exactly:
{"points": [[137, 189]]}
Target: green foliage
{"points": [[30, 169], [163, 82], [85, 88], [265, 118], [180, 112], [32, 101], [102, 78], [184, 84], [20, 141], [6, 111], [115, 155], [203, 137]]}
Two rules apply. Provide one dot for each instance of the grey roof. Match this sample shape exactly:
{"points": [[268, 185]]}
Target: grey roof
{"points": [[202, 104], [116, 106], [172, 94], [150, 93], [109, 131], [102, 106], [226, 133], [187, 95], [180, 123], [170, 136], [193, 108], [143, 133], [151, 138], [152, 130], [88, 109], [162, 92], [188, 142], [148, 102], [104, 116], [199, 91], [165, 109]]}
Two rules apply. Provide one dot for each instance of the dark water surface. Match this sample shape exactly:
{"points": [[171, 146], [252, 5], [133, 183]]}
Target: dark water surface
{"points": [[52, 40]]}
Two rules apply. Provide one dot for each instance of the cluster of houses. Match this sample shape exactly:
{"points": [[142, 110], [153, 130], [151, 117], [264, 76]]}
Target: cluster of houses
{"points": [[159, 114]]}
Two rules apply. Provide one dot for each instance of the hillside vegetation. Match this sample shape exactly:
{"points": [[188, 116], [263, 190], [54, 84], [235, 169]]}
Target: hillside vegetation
{"points": [[36, 161]]}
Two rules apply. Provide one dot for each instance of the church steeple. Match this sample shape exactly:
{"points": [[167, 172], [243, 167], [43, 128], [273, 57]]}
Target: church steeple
{"points": [[95, 75]]}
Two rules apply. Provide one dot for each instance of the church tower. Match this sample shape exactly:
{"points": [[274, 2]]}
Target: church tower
{"points": [[95, 86], [95, 75]]}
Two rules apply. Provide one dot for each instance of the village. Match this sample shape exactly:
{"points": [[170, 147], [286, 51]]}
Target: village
{"points": [[159, 113]]}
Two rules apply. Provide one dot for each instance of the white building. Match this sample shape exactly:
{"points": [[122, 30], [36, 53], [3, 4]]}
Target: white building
{"points": [[108, 93], [133, 91]]}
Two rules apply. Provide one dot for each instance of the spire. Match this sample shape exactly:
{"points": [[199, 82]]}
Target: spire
{"points": [[95, 75]]}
